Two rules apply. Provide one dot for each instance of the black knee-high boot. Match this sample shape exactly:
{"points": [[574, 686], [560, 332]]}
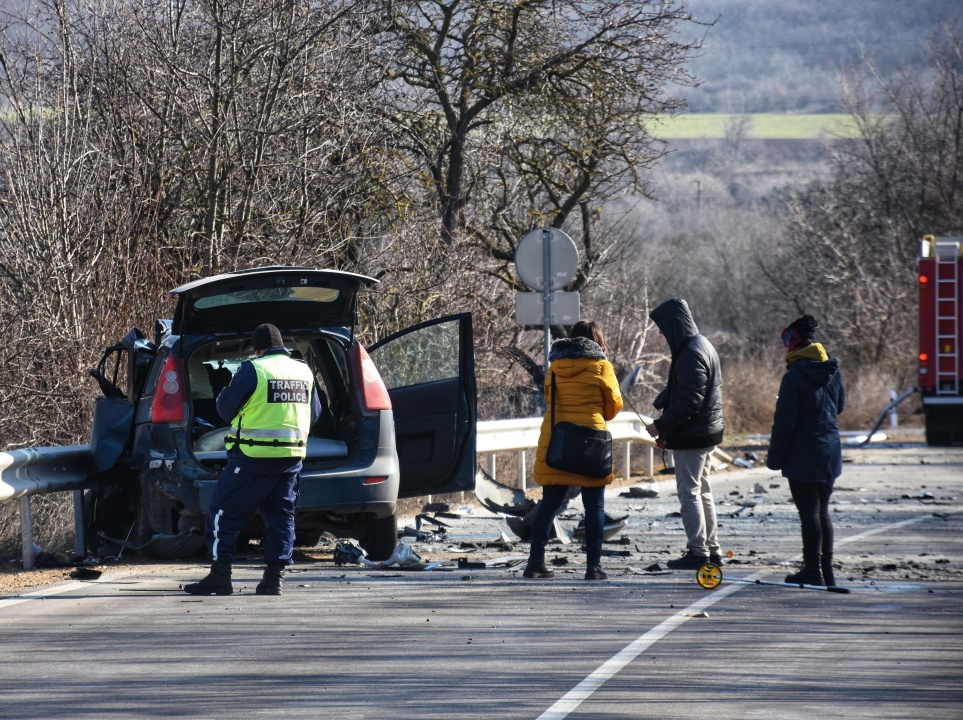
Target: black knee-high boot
{"points": [[827, 567], [807, 575], [811, 572]]}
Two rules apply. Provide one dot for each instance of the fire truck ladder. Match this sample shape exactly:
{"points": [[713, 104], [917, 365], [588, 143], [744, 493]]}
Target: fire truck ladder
{"points": [[947, 256]]}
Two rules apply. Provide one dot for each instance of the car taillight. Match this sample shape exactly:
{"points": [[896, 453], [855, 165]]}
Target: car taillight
{"points": [[170, 396], [374, 394], [375, 480]]}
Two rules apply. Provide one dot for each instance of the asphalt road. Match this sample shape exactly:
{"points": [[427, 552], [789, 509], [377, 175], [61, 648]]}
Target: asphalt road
{"points": [[352, 642]]}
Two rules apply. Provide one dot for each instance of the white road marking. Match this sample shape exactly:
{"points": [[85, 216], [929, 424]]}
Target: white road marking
{"points": [[877, 531], [41, 594], [584, 690]]}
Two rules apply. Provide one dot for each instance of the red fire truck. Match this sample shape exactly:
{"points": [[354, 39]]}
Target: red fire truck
{"points": [[940, 267]]}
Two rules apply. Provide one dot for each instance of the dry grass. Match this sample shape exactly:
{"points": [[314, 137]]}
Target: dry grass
{"points": [[53, 524], [749, 392], [750, 389]]}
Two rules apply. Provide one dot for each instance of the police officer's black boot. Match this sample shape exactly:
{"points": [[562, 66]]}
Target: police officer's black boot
{"points": [[273, 580], [217, 582]]}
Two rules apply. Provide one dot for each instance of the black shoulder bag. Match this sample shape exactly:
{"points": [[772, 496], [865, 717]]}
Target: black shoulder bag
{"points": [[578, 449]]}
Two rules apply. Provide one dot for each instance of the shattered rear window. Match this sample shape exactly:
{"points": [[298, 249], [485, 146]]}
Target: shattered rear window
{"points": [[266, 295]]}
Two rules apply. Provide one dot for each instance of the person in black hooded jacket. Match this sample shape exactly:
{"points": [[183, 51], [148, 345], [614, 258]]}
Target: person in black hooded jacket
{"points": [[805, 443], [691, 426]]}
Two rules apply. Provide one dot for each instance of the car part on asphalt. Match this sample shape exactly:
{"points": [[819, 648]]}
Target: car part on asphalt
{"points": [[709, 576], [466, 564], [348, 552], [520, 511], [611, 527], [501, 498]]}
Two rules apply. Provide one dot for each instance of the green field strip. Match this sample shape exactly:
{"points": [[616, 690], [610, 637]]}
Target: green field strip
{"points": [[763, 126]]}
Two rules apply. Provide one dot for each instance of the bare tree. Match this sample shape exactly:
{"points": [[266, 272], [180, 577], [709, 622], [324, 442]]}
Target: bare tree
{"points": [[528, 115], [145, 144], [853, 240], [242, 122], [517, 74], [62, 239]]}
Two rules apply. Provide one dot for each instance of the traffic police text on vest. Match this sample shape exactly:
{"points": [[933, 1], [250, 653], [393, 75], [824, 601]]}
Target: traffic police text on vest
{"points": [[275, 420], [288, 391]]}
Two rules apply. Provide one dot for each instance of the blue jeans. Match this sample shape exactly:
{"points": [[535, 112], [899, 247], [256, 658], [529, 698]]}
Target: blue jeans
{"points": [[593, 498]]}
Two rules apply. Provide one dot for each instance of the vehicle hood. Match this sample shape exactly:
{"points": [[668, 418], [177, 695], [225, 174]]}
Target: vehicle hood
{"points": [[289, 297]]}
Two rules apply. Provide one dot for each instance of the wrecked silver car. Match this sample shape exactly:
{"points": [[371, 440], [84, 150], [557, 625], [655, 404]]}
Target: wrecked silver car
{"points": [[398, 421]]}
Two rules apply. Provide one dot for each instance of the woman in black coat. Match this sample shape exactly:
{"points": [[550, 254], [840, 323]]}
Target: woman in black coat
{"points": [[805, 443]]}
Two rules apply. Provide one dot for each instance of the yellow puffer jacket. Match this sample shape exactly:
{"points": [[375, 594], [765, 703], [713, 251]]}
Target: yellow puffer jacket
{"points": [[588, 394]]}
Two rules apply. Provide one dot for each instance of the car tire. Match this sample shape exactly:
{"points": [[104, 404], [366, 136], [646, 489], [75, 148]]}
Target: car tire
{"points": [[381, 537]]}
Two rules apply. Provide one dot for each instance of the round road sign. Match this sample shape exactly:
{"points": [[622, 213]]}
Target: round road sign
{"points": [[530, 259]]}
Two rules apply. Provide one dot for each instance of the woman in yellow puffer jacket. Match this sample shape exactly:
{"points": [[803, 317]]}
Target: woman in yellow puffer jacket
{"points": [[587, 394]]}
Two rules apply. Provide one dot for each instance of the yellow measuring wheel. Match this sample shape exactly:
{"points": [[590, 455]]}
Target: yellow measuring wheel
{"points": [[709, 576]]}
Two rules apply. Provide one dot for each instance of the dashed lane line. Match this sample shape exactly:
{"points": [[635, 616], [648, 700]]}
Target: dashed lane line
{"points": [[611, 667]]}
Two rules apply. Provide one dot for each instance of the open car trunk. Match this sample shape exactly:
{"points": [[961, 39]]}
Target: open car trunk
{"points": [[212, 365]]}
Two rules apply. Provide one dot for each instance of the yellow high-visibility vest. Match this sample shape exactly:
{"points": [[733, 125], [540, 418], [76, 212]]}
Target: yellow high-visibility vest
{"points": [[275, 421]]}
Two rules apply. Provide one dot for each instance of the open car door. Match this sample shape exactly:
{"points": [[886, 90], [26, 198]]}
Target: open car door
{"points": [[429, 370], [120, 374]]}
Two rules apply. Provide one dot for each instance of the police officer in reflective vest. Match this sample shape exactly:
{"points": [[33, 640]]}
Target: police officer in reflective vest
{"points": [[271, 404]]}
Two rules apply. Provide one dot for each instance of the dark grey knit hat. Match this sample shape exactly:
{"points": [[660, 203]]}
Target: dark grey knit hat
{"points": [[806, 327], [267, 336]]}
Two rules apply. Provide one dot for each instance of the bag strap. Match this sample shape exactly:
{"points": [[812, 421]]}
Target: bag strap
{"points": [[553, 399]]}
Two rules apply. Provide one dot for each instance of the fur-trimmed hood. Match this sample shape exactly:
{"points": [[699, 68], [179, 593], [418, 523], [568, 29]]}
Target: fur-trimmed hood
{"points": [[577, 347]]}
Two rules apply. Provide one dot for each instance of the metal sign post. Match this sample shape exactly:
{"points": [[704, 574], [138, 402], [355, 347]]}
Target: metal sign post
{"points": [[546, 260]]}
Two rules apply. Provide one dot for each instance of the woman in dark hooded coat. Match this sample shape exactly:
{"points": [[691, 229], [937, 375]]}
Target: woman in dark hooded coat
{"points": [[805, 443]]}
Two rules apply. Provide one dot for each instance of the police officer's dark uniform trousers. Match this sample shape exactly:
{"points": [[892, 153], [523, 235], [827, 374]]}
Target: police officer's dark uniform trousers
{"points": [[273, 406]]}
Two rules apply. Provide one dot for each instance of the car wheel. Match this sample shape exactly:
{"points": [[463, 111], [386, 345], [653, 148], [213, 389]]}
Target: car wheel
{"points": [[381, 537]]}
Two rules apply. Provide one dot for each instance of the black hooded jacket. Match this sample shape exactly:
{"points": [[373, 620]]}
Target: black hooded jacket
{"points": [[805, 443], [692, 410]]}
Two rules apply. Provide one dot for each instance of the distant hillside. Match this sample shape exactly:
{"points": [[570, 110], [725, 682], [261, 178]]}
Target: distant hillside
{"points": [[767, 56]]}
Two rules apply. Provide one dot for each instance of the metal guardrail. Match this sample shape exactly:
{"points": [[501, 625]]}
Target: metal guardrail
{"points": [[520, 435], [35, 471]]}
